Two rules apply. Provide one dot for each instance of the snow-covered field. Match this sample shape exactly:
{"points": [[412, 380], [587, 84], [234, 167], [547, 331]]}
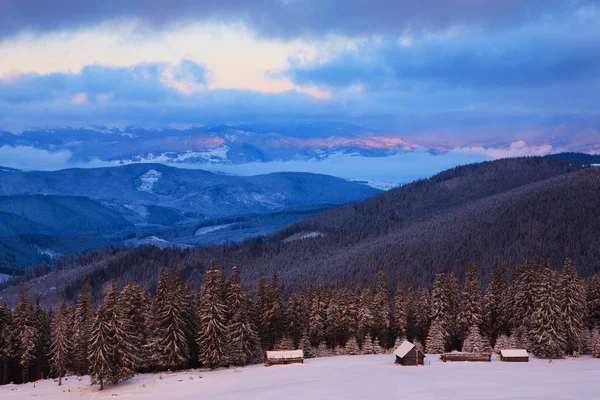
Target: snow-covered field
{"points": [[347, 377]]}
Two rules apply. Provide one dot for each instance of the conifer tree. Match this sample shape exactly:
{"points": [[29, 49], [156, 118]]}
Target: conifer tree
{"points": [[573, 303], [364, 315], [593, 301], [502, 343], [41, 325], [341, 316], [61, 343], [25, 332], [317, 316], [274, 313], [7, 342], [474, 343], [242, 337], [169, 343], [471, 312], [297, 315], [546, 331], [524, 283], [305, 345], [495, 317], [82, 328], [285, 343], [437, 338], [213, 330], [595, 343], [455, 300], [134, 313], [381, 308], [102, 342], [400, 310], [367, 344], [422, 310], [377, 347], [352, 347]]}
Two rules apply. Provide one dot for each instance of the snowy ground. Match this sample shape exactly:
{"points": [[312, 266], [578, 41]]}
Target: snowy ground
{"points": [[349, 377]]}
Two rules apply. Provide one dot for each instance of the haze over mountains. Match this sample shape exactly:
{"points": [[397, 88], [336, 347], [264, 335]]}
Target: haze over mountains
{"points": [[153, 203], [474, 213]]}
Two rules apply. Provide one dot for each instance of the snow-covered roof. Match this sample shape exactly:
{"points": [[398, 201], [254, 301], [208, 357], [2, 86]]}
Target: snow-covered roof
{"points": [[514, 353], [404, 348], [284, 354]]}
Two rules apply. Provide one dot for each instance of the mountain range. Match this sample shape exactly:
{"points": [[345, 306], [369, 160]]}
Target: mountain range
{"points": [[153, 203], [475, 213]]}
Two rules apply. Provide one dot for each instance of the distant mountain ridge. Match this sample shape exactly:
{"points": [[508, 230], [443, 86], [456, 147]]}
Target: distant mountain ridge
{"points": [[123, 205]]}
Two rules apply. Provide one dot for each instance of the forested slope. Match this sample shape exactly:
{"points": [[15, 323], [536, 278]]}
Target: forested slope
{"points": [[497, 209]]}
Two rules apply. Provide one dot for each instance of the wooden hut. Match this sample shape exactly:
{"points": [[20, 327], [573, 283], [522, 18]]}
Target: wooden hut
{"points": [[517, 355], [479, 357], [284, 357], [408, 354]]}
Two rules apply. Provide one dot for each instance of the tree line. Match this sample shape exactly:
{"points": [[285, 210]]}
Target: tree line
{"points": [[549, 312]]}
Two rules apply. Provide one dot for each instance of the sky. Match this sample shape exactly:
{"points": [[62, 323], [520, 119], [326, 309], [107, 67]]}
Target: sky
{"points": [[496, 76]]}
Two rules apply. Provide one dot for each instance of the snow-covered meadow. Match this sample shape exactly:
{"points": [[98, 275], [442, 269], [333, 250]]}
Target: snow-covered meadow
{"points": [[347, 377]]}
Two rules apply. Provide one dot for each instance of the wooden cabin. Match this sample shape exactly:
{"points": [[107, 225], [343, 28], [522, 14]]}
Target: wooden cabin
{"points": [[408, 354], [477, 357], [284, 357], [516, 355]]}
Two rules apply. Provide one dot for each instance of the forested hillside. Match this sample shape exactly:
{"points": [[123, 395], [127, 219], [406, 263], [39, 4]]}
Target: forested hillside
{"points": [[499, 209]]}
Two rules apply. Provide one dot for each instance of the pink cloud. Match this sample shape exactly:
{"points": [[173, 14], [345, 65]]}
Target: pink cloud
{"points": [[80, 98]]}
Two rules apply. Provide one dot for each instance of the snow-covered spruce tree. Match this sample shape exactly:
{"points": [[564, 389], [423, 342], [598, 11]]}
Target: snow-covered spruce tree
{"points": [[317, 315], [422, 310], [213, 331], [341, 316], [502, 343], [572, 299], [437, 338], [133, 313], [305, 345], [364, 314], [82, 326], [381, 308], [367, 345], [60, 342], [593, 301], [595, 343], [297, 315], [242, 337], [546, 331], [41, 324], [352, 347], [7, 342], [494, 301], [471, 313], [524, 283], [25, 332], [400, 310], [440, 303], [474, 343], [191, 322], [169, 342], [102, 342], [419, 345], [455, 299], [285, 343], [377, 347]]}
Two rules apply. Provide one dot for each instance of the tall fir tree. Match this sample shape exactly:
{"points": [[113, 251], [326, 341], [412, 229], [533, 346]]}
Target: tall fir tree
{"points": [[82, 328], [495, 298], [8, 347], [213, 318], [381, 308], [437, 338], [474, 342], [422, 310], [242, 337], [471, 313], [60, 346], [133, 312], [317, 315], [297, 315], [524, 282], [169, 342], [400, 310], [25, 332], [42, 327], [546, 332], [364, 315], [102, 341], [572, 299]]}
